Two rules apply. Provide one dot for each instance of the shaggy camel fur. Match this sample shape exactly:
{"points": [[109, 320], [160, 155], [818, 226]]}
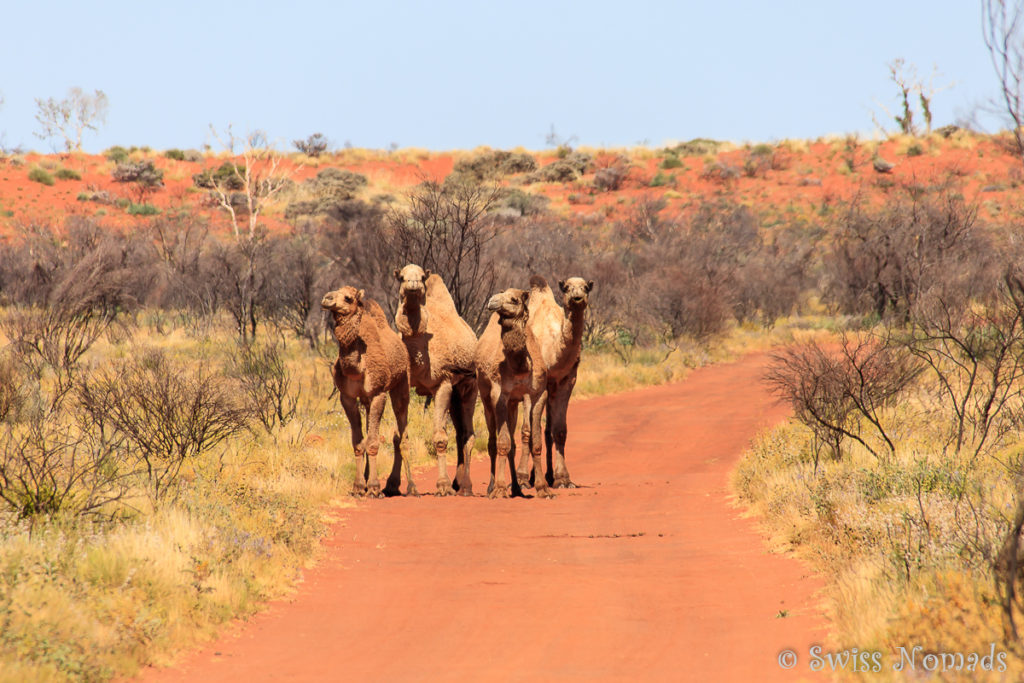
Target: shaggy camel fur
{"points": [[560, 335], [441, 347], [510, 370], [371, 364]]}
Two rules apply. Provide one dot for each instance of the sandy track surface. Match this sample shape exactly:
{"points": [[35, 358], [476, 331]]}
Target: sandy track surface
{"points": [[645, 572]]}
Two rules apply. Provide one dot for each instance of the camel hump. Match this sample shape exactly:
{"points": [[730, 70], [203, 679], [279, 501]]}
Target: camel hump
{"points": [[376, 312], [438, 296], [538, 282]]}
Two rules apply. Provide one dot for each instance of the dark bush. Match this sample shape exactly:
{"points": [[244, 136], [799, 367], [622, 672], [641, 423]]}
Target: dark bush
{"points": [[494, 164], [175, 155], [560, 171], [266, 383], [167, 412], [67, 174], [840, 395], [525, 203], [313, 146], [143, 175], [611, 178]]}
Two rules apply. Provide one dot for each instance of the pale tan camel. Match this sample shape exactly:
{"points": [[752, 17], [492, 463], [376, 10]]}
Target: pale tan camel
{"points": [[560, 335], [510, 370], [441, 348], [371, 364]]}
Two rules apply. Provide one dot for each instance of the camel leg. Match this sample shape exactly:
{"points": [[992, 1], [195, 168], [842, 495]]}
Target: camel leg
{"points": [[524, 471], [503, 447], [559, 430], [373, 416], [464, 435], [513, 420], [442, 404], [535, 416], [548, 440], [355, 421], [489, 401], [400, 407]]}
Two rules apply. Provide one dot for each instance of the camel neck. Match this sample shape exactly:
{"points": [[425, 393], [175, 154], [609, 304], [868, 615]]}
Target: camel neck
{"points": [[513, 342], [346, 330], [572, 328], [412, 313]]}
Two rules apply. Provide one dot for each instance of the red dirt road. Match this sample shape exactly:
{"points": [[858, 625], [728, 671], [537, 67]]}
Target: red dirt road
{"points": [[646, 572]]}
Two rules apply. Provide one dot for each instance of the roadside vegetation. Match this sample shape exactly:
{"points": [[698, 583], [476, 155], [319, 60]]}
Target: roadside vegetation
{"points": [[171, 452]]}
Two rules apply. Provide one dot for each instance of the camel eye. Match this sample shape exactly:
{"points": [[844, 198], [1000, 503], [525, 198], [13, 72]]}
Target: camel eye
{"points": [[348, 299]]}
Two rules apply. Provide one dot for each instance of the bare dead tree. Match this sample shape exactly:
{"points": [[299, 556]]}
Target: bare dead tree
{"points": [[1001, 24], [70, 117], [446, 229], [260, 177]]}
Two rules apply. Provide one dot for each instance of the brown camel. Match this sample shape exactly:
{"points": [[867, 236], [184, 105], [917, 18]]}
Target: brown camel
{"points": [[510, 370], [441, 347], [371, 364], [560, 335]]}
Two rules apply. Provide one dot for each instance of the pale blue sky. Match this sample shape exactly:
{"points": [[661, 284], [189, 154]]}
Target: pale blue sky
{"points": [[453, 75]]}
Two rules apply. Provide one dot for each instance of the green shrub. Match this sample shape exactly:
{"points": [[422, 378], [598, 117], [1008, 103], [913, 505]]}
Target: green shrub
{"points": [[67, 174], [117, 154], [661, 179], [697, 147], [671, 160], [175, 155], [39, 175], [228, 176], [142, 210], [915, 150]]}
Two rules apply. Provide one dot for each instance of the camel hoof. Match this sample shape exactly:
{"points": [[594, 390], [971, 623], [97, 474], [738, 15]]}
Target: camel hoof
{"points": [[563, 484], [465, 490], [411, 490], [374, 491], [444, 490], [499, 492], [392, 491], [524, 481], [545, 493], [358, 491]]}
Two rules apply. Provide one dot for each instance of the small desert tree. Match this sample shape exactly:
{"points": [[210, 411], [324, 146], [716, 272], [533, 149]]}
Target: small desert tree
{"points": [[260, 176], [70, 117], [1001, 26]]}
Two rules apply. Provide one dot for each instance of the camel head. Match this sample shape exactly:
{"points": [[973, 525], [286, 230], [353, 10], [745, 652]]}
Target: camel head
{"points": [[576, 291], [343, 302], [412, 286], [510, 305]]}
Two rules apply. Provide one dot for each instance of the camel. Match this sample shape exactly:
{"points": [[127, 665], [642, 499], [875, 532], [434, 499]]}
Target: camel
{"points": [[560, 335], [510, 370], [441, 348], [371, 365]]}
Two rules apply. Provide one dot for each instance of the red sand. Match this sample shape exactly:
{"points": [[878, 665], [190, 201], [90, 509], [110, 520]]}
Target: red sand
{"points": [[646, 572]]}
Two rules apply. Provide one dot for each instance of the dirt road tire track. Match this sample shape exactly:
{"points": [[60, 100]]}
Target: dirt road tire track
{"points": [[646, 572]]}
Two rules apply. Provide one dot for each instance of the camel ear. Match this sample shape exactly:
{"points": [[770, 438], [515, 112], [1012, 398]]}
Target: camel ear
{"points": [[590, 285], [561, 285], [398, 273], [426, 273], [526, 295], [360, 294]]}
